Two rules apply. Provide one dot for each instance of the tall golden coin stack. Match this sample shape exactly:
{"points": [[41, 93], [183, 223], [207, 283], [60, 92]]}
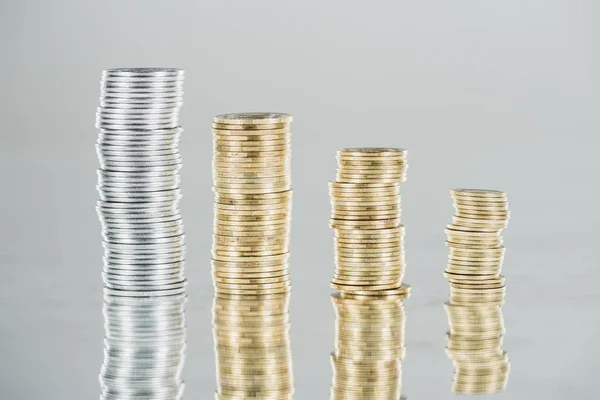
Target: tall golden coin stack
{"points": [[477, 291], [252, 345], [365, 214], [250, 255], [369, 347]]}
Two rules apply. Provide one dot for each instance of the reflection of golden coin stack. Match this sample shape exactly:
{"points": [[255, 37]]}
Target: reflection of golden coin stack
{"points": [[252, 345], [250, 255], [369, 347], [477, 291], [253, 203], [365, 201]]}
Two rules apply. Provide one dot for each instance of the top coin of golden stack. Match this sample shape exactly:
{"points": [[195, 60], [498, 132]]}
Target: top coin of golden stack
{"points": [[253, 201], [365, 213]]}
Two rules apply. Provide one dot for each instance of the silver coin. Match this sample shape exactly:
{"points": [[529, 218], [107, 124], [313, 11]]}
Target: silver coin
{"points": [[146, 174], [126, 85], [130, 197], [142, 293], [160, 255], [147, 139], [157, 268], [141, 169], [107, 133], [150, 209], [142, 122], [143, 72], [124, 235]]}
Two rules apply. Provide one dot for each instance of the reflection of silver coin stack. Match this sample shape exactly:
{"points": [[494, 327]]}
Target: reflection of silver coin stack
{"points": [[143, 273]]}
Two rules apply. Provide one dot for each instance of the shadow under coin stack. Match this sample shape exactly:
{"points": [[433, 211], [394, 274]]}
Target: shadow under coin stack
{"points": [[370, 263], [250, 255], [365, 214], [252, 345], [143, 271], [477, 291], [369, 347]]}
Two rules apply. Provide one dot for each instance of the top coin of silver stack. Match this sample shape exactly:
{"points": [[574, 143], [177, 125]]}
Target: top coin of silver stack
{"points": [[253, 203], [138, 181]]}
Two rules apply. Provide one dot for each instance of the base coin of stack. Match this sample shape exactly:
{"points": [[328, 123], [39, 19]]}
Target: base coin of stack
{"points": [[252, 203], [365, 214], [477, 291], [252, 346], [369, 347], [142, 231]]}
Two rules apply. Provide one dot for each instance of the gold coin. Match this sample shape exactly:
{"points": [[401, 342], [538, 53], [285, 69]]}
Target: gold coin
{"points": [[352, 288], [367, 177], [251, 146], [366, 241], [249, 241], [374, 245], [492, 253], [485, 193], [247, 128], [372, 152], [254, 261], [341, 187], [276, 154], [249, 232], [267, 203], [252, 135], [254, 291], [254, 182], [250, 173], [357, 202], [258, 118], [254, 213], [254, 190], [375, 217], [256, 283], [284, 206], [252, 140], [393, 232], [352, 225]]}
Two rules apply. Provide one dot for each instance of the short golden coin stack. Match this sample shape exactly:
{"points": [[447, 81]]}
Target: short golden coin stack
{"points": [[369, 347], [477, 291], [252, 345], [250, 255], [365, 214]]}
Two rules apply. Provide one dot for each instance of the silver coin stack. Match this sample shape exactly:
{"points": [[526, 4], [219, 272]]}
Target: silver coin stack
{"points": [[143, 233]]}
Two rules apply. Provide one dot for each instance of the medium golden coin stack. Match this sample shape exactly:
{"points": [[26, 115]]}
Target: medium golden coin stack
{"points": [[369, 347], [250, 255], [252, 345], [365, 214], [252, 203], [477, 291]]}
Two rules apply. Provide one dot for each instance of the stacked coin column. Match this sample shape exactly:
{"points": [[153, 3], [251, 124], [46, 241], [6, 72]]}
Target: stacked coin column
{"points": [[369, 267], [369, 347], [365, 215], [250, 254], [138, 182], [477, 291]]}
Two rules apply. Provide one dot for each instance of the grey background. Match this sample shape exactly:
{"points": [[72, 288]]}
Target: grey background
{"points": [[493, 94]]}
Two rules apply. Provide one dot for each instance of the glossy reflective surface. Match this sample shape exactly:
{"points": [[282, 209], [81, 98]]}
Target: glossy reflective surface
{"points": [[482, 94]]}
